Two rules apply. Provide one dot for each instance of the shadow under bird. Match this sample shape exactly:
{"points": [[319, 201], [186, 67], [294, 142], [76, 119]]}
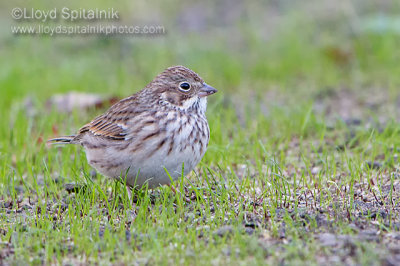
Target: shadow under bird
{"points": [[160, 129]]}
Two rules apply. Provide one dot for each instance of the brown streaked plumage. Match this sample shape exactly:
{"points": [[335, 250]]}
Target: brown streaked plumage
{"points": [[149, 136]]}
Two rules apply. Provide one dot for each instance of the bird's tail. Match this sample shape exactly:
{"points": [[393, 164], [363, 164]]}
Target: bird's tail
{"points": [[62, 140]]}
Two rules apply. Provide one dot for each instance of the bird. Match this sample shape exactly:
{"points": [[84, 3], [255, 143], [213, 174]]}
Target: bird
{"points": [[153, 136]]}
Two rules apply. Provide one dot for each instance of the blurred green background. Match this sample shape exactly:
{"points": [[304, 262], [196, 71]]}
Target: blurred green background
{"points": [[245, 49]]}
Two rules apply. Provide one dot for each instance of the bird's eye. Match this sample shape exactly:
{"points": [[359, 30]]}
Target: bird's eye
{"points": [[184, 86]]}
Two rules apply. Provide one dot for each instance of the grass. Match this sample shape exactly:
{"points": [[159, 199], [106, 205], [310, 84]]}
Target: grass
{"points": [[302, 166]]}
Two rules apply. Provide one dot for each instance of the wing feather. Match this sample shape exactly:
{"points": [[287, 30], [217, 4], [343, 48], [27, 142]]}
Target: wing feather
{"points": [[113, 124]]}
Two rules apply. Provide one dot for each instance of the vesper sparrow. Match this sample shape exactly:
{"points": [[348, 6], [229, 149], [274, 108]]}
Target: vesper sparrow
{"points": [[161, 128]]}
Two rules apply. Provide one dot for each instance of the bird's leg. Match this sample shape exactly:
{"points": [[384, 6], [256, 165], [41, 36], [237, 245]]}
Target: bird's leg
{"points": [[175, 192], [129, 192], [133, 194]]}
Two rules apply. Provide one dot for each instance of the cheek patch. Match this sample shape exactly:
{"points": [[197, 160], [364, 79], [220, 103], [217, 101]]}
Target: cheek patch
{"points": [[171, 98]]}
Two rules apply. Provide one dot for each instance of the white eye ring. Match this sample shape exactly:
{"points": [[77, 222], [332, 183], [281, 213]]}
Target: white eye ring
{"points": [[184, 86]]}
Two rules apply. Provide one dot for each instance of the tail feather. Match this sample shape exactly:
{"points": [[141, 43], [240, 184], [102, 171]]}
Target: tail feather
{"points": [[62, 140]]}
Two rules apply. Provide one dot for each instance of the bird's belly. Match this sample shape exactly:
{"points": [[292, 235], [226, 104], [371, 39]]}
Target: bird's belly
{"points": [[160, 168], [137, 168]]}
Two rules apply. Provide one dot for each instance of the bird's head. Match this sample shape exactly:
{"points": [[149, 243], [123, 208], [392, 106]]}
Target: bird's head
{"points": [[182, 88]]}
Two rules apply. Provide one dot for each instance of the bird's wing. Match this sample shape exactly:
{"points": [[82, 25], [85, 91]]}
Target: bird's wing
{"points": [[113, 123]]}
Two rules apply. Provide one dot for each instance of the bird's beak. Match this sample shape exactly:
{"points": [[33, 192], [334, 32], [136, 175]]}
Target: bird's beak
{"points": [[206, 90]]}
